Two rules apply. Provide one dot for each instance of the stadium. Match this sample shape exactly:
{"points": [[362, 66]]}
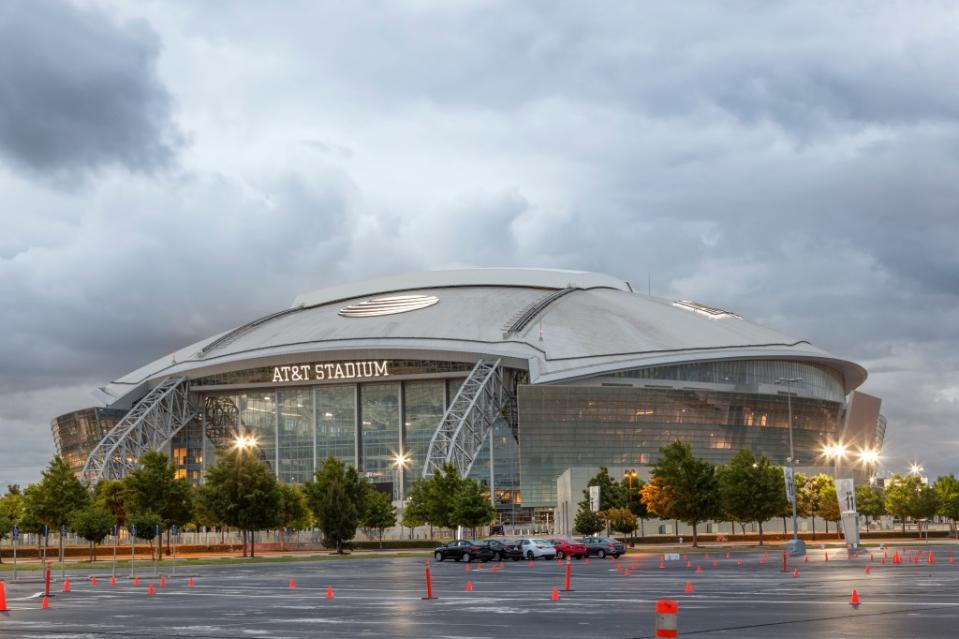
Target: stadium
{"points": [[513, 375]]}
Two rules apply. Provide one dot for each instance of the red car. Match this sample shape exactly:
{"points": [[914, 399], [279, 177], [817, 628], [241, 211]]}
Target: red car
{"points": [[568, 548]]}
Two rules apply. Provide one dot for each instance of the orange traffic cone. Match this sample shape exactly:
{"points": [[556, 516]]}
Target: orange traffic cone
{"points": [[587, 562], [151, 590], [466, 568], [854, 600], [66, 585], [689, 586], [329, 592], [826, 556], [93, 581], [189, 582], [706, 557], [530, 563], [662, 564], [162, 581], [45, 603], [626, 572], [739, 562], [806, 559], [501, 565], [868, 570], [469, 586], [479, 567], [292, 584], [727, 555], [699, 568], [555, 595], [932, 558], [113, 580], [796, 572], [136, 581], [3, 598], [689, 564]]}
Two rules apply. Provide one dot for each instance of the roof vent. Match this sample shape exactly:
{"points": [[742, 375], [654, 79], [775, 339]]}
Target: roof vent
{"points": [[702, 309], [378, 306]]}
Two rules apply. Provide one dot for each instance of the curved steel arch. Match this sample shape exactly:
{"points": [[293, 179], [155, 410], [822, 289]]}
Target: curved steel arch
{"points": [[148, 426]]}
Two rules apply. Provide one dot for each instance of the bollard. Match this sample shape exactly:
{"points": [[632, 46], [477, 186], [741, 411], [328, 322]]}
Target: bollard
{"points": [[429, 583], [569, 569], [46, 584], [667, 612]]}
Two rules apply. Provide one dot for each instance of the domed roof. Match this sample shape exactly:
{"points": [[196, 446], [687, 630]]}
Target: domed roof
{"points": [[559, 325]]}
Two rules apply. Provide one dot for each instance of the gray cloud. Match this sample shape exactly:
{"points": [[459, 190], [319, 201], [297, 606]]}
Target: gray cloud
{"points": [[794, 165], [80, 92]]}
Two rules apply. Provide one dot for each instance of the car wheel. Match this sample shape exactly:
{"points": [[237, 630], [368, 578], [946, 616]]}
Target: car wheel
{"points": [[529, 555], [601, 554], [495, 556], [439, 556], [466, 557], [559, 555]]}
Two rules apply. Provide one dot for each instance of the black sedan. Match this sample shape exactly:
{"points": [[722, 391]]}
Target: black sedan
{"points": [[464, 550], [602, 546], [504, 549]]}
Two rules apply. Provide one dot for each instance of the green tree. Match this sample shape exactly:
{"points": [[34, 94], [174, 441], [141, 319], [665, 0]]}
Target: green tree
{"points": [[294, 511], [12, 504], [6, 525], [869, 503], [901, 495], [416, 509], [947, 492], [750, 489], [441, 490], [241, 491], [153, 486], [337, 497], [147, 525], [588, 522], [621, 520], [378, 514], [611, 492], [634, 501], [471, 506], [809, 496], [110, 494], [829, 503], [925, 504], [93, 523], [53, 500], [683, 487]]}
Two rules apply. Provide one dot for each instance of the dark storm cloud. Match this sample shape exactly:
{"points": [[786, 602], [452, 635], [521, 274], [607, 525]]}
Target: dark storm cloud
{"points": [[794, 164], [79, 91]]}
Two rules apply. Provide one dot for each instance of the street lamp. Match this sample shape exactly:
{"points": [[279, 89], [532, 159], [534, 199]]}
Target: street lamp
{"points": [[244, 442], [916, 469], [835, 452], [400, 461], [795, 546]]}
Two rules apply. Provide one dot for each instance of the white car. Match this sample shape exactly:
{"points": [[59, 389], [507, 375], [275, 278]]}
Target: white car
{"points": [[534, 548]]}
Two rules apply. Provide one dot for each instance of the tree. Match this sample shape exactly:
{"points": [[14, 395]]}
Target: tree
{"points": [[947, 492], [147, 525], [869, 503], [53, 500], [294, 511], [241, 491], [153, 486], [93, 523], [634, 502], [899, 492], [751, 489], [416, 511], [829, 503], [441, 490], [336, 496], [6, 525], [925, 504], [809, 497], [378, 514], [684, 487], [588, 522], [611, 492], [110, 494], [621, 520], [12, 504], [471, 506]]}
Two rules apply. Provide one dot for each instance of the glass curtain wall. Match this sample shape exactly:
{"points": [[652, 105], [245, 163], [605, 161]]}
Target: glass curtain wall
{"points": [[380, 430], [295, 435], [424, 405], [258, 416], [336, 423]]}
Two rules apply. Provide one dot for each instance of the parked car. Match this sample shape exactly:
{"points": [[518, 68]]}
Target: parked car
{"points": [[464, 550], [503, 549], [534, 548], [569, 548], [602, 546]]}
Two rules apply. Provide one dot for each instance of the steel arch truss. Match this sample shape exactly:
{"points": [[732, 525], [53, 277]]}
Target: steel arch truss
{"points": [[469, 419], [148, 426]]}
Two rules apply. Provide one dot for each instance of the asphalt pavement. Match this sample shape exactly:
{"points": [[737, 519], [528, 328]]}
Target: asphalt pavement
{"points": [[384, 597]]}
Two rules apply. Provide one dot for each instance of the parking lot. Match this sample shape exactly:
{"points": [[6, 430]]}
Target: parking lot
{"points": [[383, 597]]}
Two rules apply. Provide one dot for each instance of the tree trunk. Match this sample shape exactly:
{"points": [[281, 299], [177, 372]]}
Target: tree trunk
{"points": [[904, 525], [252, 544], [785, 532], [93, 556], [814, 527], [243, 539], [827, 526], [760, 533]]}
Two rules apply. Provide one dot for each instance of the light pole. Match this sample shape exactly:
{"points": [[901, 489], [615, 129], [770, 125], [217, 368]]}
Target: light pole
{"points": [[630, 475], [400, 462], [795, 547]]}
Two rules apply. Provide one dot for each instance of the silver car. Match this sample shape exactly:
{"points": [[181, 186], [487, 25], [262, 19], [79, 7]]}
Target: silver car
{"points": [[536, 548]]}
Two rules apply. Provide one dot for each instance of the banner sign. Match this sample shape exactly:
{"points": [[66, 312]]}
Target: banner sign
{"points": [[846, 495], [594, 498], [790, 484]]}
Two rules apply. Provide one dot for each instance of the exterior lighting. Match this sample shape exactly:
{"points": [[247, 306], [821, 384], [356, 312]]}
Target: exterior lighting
{"points": [[244, 442], [869, 456], [915, 469], [401, 460]]}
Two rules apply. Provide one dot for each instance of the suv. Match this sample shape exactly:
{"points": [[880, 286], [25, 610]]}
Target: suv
{"points": [[464, 550], [602, 546]]}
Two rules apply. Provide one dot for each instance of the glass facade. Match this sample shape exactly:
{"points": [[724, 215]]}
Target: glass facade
{"points": [[380, 431], [77, 433], [295, 435], [186, 450], [564, 426], [336, 423], [424, 404], [817, 381], [257, 412]]}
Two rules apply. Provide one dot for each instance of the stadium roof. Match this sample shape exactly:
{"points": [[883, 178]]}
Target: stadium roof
{"points": [[559, 324]]}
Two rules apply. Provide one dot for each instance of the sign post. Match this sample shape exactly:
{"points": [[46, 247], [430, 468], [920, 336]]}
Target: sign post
{"points": [[175, 531], [156, 560], [846, 495], [63, 533], [16, 539], [133, 549]]}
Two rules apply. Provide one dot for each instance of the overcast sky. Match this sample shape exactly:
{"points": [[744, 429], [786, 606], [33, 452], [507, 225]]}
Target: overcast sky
{"points": [[170, 170]]}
